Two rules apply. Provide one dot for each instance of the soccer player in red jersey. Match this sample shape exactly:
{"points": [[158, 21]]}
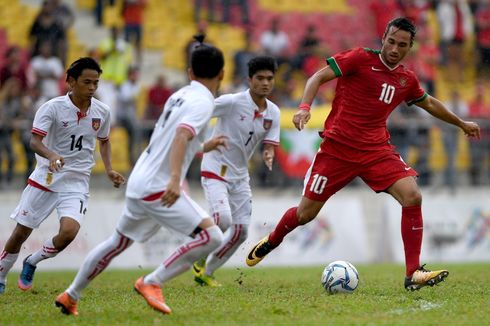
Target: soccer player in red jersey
{"points": [[356, 142]]}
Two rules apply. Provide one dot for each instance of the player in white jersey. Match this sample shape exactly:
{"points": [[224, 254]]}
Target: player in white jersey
{"points": [[153, 195], [64, 133], [249, 120]]}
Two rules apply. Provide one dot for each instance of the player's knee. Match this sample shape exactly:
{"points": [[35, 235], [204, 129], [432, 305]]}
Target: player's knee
{"points": [[305, 215], [240, 232], [412, 198], [215, 237], [223, 219]]}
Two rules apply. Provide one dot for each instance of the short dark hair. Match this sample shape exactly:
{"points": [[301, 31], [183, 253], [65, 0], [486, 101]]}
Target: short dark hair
{"points": [[404, 24], [77, 67], [261, 63], [206, 60]]}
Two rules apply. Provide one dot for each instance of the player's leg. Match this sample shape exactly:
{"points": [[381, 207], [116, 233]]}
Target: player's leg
{"points": [[34, 207], [391, 174], [71, 209], [327, 175], [133, 224], [407, 193], [217, 196], [10, 252]]}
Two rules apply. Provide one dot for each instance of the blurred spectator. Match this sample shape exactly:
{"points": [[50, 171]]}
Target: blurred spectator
{"points": [[456, 26], [241, 59], [126, 112], [244, 12], [306, 48], [10, 106], [274, 41], [450, 136], [382, 11], [133, 23], [116, 56], [483, 38], [63, 14], [415, 10], [30, 104], [157, 96], [479, 110], [46, 29], [47, 70], [197, 10], [99, 9], [13, 67], [427, 59]]}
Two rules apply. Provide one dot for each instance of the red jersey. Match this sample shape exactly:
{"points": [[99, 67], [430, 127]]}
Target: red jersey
{"points": [[367, 92]]}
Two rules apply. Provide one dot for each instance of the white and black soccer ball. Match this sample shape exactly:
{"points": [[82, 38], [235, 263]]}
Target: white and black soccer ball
{"points": [[340, 277]]}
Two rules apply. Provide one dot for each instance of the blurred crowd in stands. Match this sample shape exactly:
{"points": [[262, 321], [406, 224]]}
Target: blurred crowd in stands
{"points": [[451, 57]]}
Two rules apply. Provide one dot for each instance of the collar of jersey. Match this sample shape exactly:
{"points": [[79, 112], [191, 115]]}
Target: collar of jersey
{"points": [[391, 69], [251, 100], [202, 88], [73, 106]]}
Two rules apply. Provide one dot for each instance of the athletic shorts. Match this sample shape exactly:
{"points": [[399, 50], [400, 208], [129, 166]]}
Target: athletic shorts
{"points": [[233, 197], [36, 205], [141, 219], [336, 164]]}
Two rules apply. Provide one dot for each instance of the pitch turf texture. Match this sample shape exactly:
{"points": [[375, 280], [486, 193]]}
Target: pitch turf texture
{"points": [[260, 296]]}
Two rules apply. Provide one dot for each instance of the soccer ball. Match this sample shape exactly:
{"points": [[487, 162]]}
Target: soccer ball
{"points": [[340, 277]]}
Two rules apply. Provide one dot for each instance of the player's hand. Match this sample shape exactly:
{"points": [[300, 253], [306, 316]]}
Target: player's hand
{"points": [[216, 143], [471, 129], [301, 118], [268, 158], [172, 193], [56, 162], [116, 178]]}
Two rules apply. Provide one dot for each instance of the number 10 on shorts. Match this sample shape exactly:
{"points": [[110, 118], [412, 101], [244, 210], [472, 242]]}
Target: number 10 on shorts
{"points": [[318, 184]]}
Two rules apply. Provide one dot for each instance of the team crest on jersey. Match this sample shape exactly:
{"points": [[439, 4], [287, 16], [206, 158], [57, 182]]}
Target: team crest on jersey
{"points": [[95, 123], [267, 124], [403, 81]]}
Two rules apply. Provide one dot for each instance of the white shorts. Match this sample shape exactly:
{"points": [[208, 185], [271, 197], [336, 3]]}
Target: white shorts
{"points": [[234, 196], [142, 219], [36, 205]]}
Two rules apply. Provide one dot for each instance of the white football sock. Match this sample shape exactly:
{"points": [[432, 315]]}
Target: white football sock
{"points": [[182, 259], [47, 251], [7, 260], [96, 261], [234, 237]]}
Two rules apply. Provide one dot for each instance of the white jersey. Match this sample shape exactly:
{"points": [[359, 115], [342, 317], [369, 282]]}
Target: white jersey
{"points": [[72, 136], [239, 119], [190, 107]]}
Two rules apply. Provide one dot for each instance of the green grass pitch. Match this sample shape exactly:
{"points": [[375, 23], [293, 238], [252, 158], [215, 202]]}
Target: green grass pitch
{"points": [[259, 296]]}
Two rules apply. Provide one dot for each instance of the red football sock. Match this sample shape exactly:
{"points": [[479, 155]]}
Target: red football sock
{"points": [[288, 223], [412, 230]]}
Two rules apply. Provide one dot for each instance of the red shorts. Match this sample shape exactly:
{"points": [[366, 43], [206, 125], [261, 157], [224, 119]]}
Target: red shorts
{"points": [[336, 164]]}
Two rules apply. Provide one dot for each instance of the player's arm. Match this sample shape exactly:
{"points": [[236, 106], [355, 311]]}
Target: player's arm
{"points": [[268, 155], [215, 143], [439, 110], [319, 78], [56, 161], [177, 153], [105, 150]]}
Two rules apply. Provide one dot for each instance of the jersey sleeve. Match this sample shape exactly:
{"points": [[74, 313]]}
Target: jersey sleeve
{"points": [[197, 116], [346, 62], [43, 120], [416, 94], [272, 136], [105, 128], [222, 105]]}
